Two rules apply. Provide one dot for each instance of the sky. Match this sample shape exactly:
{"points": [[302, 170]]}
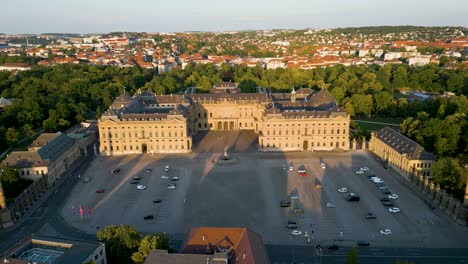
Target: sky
{"points": [[101, 16]]}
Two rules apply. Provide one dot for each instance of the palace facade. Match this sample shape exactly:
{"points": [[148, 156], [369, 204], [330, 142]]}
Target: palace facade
{"points": [[401, 153], [147, 123]]}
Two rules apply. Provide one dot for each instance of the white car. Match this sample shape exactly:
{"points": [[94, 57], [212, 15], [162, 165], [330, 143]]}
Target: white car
{"points": [[342, 190], [284, 167], [378, 181], [323, 165], [359, 172], [164, 177], [330, 205], [394, 210], [296, 232], [364, 168], [386, 232], [175, 178], [87, 179], [291, 168], [393, 196], [166, 169], [141, 187], [171, 186]]}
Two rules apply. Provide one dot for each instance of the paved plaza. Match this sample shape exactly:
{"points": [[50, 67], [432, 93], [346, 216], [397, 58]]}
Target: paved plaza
{"points": [[246, 193]]}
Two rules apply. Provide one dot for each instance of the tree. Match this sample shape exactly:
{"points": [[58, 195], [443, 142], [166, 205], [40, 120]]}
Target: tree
{"points": [[149, 242], [121, 242], [382, 101], [9, 175], [352, 257], [12, 136], [363, 104], [27, 130], [450, 175]]}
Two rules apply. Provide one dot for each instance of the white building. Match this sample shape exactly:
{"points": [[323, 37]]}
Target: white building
{"points": [[419, 60]]}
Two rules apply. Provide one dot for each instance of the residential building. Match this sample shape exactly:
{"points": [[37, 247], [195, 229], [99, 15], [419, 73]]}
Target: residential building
{"points": [[15, 67], [148, 123], [419, 60], [401, 153], [211, 245]]}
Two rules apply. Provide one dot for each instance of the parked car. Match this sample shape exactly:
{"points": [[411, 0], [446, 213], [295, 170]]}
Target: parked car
{"points": [[285, 203], [363, 243], [171, 186], [386, 192], [292, 224], [342, 190], [291, 168], [370, 216], [303, 174], [164, 177], [384, 199], [148, 170], [364, 168], [87, 179], [384, 187], [352, 197], [134, 182], [301, 169], [136, 178], [323, 165], [296, 232], [115, 171], [100, 191], [330, 205], [393, 196], [141, 187], [175, 178], [385, 232], [333, 247], [394, 210], [157, 201], [148, 217], [166, 169], [359, 172], [298, 211], [388, 203]]}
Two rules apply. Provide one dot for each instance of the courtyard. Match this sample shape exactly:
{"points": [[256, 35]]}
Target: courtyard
{"points": [[247, 193]]}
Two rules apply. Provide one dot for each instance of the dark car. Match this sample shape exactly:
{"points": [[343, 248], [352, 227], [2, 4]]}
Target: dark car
{"points": [[285, 203], [137, 178], [133, 182], [362, 243], [115, 171], [333, 247], [292, 224], [370, 216], [386, 191], [384, 199], [384, 187], [100, 191], [148, 170], [352, 197], [388, 203], [148, 217], [157, 201], [370, 176]]}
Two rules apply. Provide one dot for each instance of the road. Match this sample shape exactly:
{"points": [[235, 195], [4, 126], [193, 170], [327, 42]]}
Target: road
{"points": [[306, 254], [46, 219]]}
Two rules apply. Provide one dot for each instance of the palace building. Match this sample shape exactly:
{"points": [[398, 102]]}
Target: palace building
{"points": [[401, 153], [147, 123]]}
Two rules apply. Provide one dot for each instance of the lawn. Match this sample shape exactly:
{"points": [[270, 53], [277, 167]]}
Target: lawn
{"points": [[393, 122]]}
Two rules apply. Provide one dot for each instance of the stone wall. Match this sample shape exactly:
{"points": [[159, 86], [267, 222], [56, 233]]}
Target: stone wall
{"points": [[437, 198]]}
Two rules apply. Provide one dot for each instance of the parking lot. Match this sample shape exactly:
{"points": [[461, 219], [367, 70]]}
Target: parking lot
{"points": [[247, 193]]}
